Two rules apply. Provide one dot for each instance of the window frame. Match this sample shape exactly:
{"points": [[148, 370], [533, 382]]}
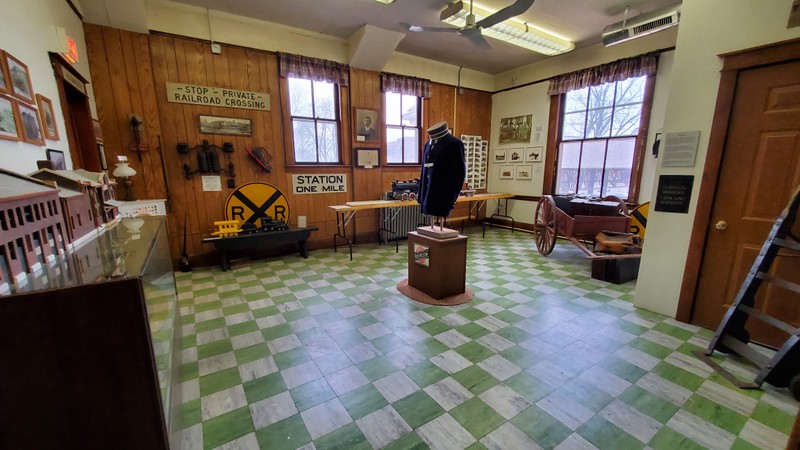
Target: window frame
{"points": [[555, 128], [337, 121], [402, 128]]}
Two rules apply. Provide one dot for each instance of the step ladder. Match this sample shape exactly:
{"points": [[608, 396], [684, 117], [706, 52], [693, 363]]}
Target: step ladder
{"points": [[731, 335]]}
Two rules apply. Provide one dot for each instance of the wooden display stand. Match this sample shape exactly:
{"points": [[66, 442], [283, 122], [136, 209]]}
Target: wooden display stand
{"points": [[437, 270]]}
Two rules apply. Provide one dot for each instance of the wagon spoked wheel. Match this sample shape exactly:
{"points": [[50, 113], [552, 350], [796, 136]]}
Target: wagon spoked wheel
{"points": [[622, 209], [545, 225]]}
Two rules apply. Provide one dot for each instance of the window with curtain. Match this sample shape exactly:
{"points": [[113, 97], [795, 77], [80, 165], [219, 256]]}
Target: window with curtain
{"points": [[403, 116], [402, 128], [314, 112], [598, 138], [599, 127], [315, 123]]}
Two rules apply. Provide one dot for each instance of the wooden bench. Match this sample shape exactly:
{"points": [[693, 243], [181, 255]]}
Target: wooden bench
{"points": [[257, 240]]}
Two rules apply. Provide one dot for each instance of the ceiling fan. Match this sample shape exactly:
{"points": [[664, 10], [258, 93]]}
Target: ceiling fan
{"points": [[472, 30]]}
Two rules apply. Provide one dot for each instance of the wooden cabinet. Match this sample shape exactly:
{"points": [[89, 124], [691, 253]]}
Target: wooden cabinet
{"points": [[87, 355]]}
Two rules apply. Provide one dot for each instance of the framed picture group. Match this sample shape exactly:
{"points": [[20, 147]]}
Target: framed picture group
{"points": [[526, 155], [24, 115]]}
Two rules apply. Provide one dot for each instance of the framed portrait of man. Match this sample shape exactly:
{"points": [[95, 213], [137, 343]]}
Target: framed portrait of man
{"points": [[367, 125]]}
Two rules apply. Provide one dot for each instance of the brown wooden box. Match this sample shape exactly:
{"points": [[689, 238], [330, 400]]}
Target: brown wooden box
{"points": [[446, 274]]}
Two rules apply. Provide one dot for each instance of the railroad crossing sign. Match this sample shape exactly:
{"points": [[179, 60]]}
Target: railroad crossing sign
{"points": [[253, 200], [639, 219]]}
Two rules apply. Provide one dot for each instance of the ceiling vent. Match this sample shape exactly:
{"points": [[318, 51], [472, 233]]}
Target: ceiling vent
{"points": [[642, 25]]}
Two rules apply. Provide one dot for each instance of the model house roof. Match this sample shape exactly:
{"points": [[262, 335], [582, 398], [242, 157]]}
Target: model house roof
{"points": [[13, 185]]}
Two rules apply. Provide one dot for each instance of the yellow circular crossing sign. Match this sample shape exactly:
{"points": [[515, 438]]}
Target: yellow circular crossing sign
{"points": [[639, 219], [251, 201]]}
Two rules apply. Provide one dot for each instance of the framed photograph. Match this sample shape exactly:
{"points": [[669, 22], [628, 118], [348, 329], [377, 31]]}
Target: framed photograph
{"points": [[534, 154], [524, 172], [31, 126], [4, 83], [19, 78], [515, 155], [9, 119], [500, 155], [57, 158], [48, 117], [516, 129], [368, 157], [225, 125], [506, 172], [367, 125]]}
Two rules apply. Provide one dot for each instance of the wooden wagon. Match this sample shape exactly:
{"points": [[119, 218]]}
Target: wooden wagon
{"points": [[584, 220]]}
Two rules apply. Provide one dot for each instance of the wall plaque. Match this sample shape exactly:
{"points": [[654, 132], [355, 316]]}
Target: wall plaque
{"points": [[680, 149], [194, 94], [674, 193], [319, 184]]}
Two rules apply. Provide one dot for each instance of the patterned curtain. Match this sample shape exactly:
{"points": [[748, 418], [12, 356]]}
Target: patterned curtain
{"points": [[402, 84], [314, 69], [621, 69]]}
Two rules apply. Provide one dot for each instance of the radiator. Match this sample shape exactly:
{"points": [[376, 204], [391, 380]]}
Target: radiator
{"points": [[406, 219]]}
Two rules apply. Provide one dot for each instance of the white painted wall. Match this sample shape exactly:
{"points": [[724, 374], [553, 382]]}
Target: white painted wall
{"points": [[171, 17], [533, 99], [663, 81], [526, 100], [708, 28], [28, 33]]}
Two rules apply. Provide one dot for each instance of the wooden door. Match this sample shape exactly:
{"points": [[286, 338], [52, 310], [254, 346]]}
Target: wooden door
{"points": [[759, 172]]}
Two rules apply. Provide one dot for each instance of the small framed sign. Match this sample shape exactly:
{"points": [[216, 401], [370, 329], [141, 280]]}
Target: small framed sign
{"points": [[500, 155], [422, 255], [534, 154], [57, 158], [368, 157], [674, 193], [524, 172]]}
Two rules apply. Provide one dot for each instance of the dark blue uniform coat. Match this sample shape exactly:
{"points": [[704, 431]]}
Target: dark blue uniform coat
{"points": [[441, 182]]}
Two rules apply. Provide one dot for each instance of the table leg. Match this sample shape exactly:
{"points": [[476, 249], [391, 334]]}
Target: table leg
{"points": [[224, 261], [341, 230], [303, 249]]}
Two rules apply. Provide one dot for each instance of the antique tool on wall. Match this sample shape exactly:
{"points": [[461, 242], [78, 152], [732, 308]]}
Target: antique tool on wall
{"points": [[185, 265], [207, 158], [164, 171], [262, 157]]}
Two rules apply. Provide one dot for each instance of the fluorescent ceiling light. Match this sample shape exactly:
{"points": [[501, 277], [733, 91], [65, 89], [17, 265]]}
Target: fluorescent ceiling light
{"points": [[385, 1], [510, 31]]}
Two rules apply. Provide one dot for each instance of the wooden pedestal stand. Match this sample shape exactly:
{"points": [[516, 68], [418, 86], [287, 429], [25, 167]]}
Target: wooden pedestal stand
{"points": [[437, 270]]}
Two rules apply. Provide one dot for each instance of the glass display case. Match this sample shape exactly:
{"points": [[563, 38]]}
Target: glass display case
{"points": [[87, 345]]}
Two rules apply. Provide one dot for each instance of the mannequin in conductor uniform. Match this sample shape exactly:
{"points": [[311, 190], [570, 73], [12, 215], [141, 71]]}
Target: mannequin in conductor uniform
{"points": [[443, 172]]}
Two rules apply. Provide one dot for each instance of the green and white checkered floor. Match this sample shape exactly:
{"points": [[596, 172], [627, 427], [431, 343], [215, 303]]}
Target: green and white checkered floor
{"points": [[324, 353]]}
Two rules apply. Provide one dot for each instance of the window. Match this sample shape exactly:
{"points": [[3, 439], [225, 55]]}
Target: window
{"points": [[402, 128], [315, 121], [600, 127]]}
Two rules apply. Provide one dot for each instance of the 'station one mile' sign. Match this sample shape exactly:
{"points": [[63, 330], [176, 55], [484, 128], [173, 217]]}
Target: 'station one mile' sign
{"points": [[212, 96], [319, 184]]}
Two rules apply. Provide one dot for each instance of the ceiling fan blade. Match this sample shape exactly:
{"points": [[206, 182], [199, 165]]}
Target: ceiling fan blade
{"points": [[512, 10], [478, 41], [417, 29]]}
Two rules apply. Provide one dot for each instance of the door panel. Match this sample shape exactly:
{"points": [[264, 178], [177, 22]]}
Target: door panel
{"points": [[759, 172]]}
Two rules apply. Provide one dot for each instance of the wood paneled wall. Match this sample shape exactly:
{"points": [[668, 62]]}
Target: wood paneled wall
{"points": [[130, 72]]}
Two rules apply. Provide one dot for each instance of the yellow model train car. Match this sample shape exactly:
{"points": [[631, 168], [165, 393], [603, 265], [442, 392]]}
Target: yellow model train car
{"points": [[226, 228]]}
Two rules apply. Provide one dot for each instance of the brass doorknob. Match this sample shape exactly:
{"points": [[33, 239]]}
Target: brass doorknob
{"points": [[721, 225]]}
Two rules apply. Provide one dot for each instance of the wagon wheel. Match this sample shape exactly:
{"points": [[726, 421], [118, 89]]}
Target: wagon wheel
{"points": [[622, 209], [545, 225]]}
